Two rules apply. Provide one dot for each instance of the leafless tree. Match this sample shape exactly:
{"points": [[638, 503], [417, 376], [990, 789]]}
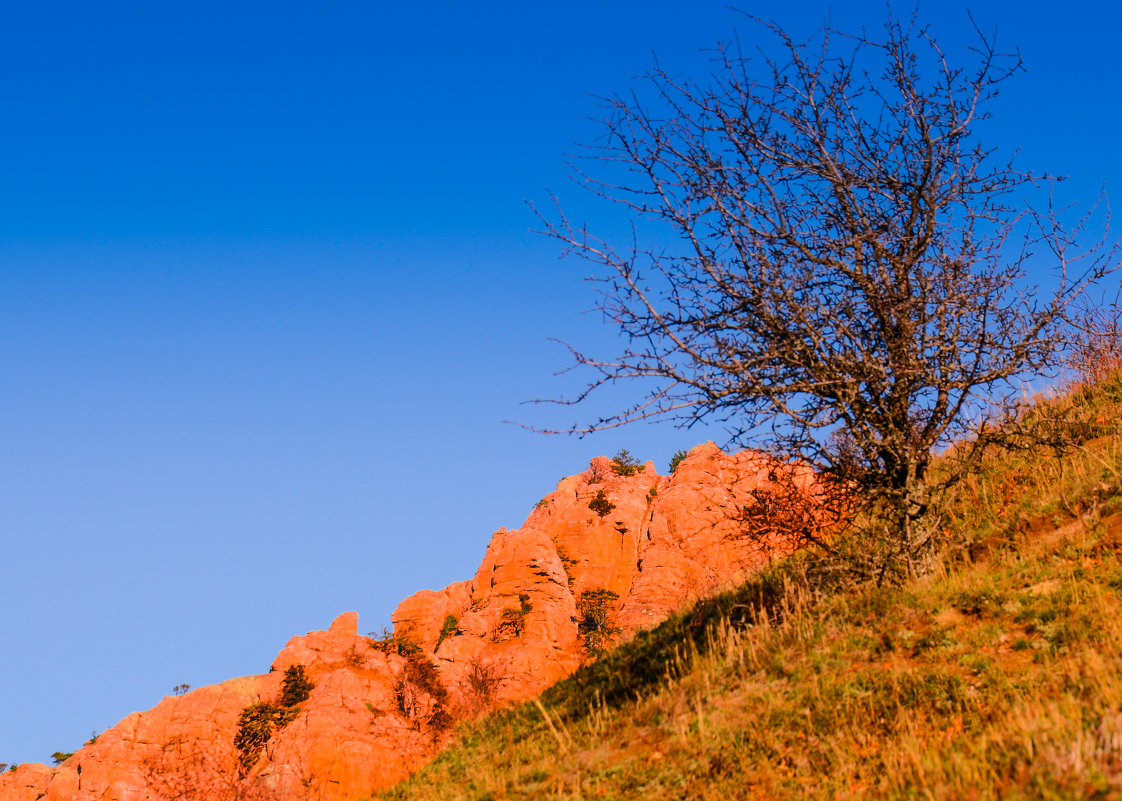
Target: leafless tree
{"points": [[479, 688], [826, 260], [1097, 352]]}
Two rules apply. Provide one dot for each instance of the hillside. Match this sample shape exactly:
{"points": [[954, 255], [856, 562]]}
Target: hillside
{"points": [[610, 552], [997, 676], [1000, 676]]}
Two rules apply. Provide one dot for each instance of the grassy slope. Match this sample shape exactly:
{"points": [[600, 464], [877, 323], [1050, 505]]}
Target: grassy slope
{"points": [[998, 677]]}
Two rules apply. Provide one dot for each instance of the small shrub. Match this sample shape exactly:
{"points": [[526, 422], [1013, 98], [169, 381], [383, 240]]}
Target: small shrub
{"points": [[296, 687], [258, 721], [255, 726], [600, 503], [383, 642], [352, 658], [596, 625], [624, 464], [483, 681], [3, 766], [58, 757], [676, 460], [513, 621], [180, 689], [389, 643], [422, 673], [420, 694], [451, 623]]}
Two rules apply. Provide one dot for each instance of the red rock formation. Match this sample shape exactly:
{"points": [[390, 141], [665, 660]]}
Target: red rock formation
{"points": [[378, 711]]}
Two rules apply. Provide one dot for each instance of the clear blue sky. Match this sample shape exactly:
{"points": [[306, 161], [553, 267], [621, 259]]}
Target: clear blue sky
{"points": [[268, 290]]}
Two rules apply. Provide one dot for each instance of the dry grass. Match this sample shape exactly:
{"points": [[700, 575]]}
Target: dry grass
{"points": [[999, 676]]}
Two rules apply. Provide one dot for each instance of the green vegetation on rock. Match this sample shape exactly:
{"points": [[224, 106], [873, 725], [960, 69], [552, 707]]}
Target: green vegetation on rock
{"points": [[624, 464], [600, 503], [451, 623], [259, 721]]}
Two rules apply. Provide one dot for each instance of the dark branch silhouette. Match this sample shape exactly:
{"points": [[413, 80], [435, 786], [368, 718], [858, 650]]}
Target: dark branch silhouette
{"points": [[828, 262]]}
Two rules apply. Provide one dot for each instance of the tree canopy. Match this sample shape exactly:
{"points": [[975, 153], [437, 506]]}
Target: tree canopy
{"points": [[825, 257]]}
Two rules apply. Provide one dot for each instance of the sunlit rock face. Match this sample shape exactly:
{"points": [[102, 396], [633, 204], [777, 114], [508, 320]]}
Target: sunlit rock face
{"points": [[585, 570]]}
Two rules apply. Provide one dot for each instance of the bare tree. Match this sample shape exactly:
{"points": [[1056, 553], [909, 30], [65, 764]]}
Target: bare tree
{"points": [[1097, 352], [479, 688], [826, 261]]}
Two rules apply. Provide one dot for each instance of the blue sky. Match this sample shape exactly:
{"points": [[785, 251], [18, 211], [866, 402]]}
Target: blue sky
{"points": [[268, 291]]}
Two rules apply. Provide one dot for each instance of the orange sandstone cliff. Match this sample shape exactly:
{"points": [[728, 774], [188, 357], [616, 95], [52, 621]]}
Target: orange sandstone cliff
{"points": [[547, 596]]}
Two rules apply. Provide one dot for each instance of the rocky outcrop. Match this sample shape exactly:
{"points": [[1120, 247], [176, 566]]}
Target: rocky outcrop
{"points": [[25, 783], [599, 558]]}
